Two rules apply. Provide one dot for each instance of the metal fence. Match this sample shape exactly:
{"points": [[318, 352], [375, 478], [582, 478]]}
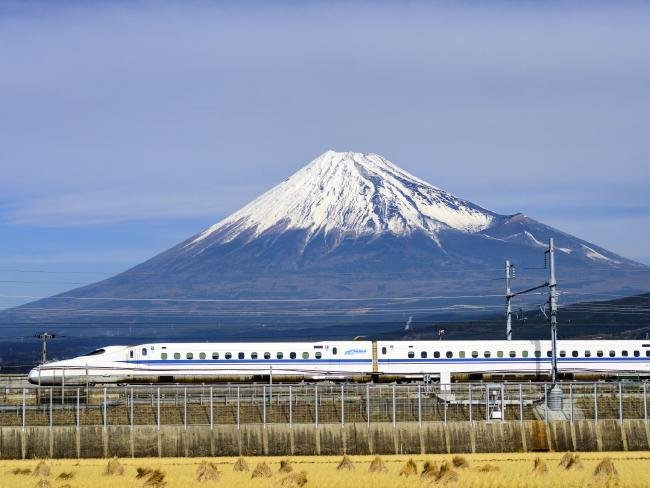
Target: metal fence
{"points": [[212, 405]]}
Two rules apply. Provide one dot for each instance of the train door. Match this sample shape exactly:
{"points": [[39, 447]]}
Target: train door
{"points": [[335, 358]]}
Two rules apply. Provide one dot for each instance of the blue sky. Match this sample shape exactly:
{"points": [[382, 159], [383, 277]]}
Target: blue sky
{"points": [[126, 127]]}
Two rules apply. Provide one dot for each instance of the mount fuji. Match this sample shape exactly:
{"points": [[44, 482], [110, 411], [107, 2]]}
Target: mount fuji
{"points": [[353, 228]]}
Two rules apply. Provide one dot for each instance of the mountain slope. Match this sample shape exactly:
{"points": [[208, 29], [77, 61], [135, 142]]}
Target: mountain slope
{"points": [[348, 226]]}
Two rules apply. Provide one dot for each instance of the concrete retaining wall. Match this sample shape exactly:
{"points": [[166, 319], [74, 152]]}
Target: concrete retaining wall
{"points": [[280, 439]]}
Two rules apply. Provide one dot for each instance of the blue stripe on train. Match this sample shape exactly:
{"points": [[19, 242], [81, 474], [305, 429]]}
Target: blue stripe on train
{"points": [[246, 361]]}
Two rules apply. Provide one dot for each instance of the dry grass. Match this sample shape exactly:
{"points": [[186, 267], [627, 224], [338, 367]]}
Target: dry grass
{"points": [[142, 472], [409, 468], [570, 461], [41, 469], [294, 480], [240, 465], [285, 466], [207, 471], [539, 466], [429, 471], [65, 476], [345, 464], [377, 466], [505, 471], [114, 468], [43, 483], [460, 462], [262, 470]]}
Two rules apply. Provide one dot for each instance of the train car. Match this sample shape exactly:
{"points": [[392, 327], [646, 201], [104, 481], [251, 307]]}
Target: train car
{"points": [[345, 360], [202, 362]]}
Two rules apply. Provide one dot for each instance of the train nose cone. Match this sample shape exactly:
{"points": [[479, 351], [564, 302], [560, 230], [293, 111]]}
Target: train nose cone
{"points": [[32, 377]]}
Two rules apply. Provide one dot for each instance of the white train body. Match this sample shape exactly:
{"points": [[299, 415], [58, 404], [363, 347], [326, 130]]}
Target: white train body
{"points": [[343, 360]]}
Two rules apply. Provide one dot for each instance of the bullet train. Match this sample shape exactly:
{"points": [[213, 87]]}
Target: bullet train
{"points": [[345, 360]]}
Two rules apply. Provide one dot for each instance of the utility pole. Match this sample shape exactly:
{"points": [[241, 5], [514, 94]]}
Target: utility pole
{"points": [[555, 395], [44, 337], [552, 299], [509, 297]]}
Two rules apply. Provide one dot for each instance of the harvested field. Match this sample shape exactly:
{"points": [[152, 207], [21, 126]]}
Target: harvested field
{"points": [[505, 470]]}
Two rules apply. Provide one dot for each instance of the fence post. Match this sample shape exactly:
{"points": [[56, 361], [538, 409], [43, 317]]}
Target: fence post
{"points": [[596, 402], [620, 402], [503, 410], [521, 404], [185, 408], [131, 408], [342, 405], [62, 386], [78, 409], [290, 408], [238, 413], [316, 404], [470, 401], [105, 410], [264, 406], [420, 405], [51, 420], [571, 401], [211, 411], [487, 403], [445, 404], [368, 403], [24, 408], [645, 402], [394, 419], [158, 408], [545, 403]]}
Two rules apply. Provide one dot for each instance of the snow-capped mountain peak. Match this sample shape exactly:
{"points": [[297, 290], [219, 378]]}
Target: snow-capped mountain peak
{"points": [[351, 193]]}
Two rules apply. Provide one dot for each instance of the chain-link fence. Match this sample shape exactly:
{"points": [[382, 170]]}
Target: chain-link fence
{"points": [[316, 404]]}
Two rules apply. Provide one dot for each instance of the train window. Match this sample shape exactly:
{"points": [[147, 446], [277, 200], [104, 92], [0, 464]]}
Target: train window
{"points": [[524, 354], [334, 351], [587, 354], [131, 353], [97, 352], [228, 355], [549, 354], [163, 355], [215, 355], [423, 354], [411, 354], [637, 354], [487, 354], [461, 354], [201, 355], [253, 355], [144, 351], [241, 355], [499, 354], [647, 353], [538, 354], [318, 355], [562, 353], [436, 354], [612, 354], [189, 355], [279, 355], [574, 354], [450, 354], [599, 354], [292, 355], [474, 354], [624, 353], [177, 355], [305, 355], [267, 355], [383, 350], [512, 354]]}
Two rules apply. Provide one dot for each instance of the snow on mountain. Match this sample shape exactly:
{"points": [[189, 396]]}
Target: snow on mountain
{"points": [[352, 194]]}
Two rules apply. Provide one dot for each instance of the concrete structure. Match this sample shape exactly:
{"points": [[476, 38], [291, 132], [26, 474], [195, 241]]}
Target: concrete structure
{"points": [[299, 439]]}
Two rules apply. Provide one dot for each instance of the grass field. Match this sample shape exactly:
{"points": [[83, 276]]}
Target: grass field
{"points": [[506, 470]]}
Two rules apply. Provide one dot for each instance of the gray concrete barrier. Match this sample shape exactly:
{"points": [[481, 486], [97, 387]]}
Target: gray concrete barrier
{"points": [[352, 438]]}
